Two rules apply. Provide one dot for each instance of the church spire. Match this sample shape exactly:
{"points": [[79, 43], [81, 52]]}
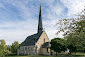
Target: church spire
{"points": [[40, 28]]}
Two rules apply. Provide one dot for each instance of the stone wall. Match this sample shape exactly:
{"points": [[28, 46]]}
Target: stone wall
{"points": [[43, 38], [25, 50], [45, 52], [36, 49]]}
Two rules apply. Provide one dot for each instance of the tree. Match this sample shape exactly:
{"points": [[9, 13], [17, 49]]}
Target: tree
{"points": [[3, 48], [74, 31], [58, 45], [8, 49], [14, 47]]}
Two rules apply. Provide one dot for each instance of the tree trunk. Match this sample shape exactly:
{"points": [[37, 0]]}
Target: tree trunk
{"points": [[3, 56], [70, 52], [75, 52], [56, 53]]}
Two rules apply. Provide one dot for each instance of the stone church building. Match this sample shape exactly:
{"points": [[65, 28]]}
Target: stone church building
{"points": [[36, 44]]}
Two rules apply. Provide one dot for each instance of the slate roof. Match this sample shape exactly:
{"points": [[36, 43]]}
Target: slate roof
{"points": [[30, 40], [46, 44]]}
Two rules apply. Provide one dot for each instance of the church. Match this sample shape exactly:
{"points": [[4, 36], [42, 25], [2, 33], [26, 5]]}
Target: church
{"points": [[36, 44]]}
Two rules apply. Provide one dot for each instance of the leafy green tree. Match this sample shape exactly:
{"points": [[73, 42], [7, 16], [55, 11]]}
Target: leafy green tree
{"points": [[72, 42], [58, 45], [74, 31], [8, 50], [9, 47], [3, 48], [14, 47], [72, 48]]}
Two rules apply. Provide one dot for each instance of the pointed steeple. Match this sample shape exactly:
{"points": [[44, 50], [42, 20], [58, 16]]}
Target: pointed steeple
{"points": [[40, 28]]}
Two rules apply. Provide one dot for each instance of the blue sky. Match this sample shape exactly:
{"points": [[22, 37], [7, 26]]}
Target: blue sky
{"points": [[19, 18]]}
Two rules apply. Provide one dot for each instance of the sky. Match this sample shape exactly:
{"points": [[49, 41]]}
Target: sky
{"points": [[19, 18]]}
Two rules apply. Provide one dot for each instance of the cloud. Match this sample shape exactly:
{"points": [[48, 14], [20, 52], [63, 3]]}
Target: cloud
{"points": [[17, 31], [74, 6], [19, 18]]}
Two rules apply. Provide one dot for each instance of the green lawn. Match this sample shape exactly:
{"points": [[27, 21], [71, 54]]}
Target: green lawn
{"points": [[59, 55], [32, 56], [78, 53], [45, 56]]}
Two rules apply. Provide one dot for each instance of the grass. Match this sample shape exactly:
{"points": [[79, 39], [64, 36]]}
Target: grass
{"points": [[78, 54], [45, 56], [32, 56]]}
